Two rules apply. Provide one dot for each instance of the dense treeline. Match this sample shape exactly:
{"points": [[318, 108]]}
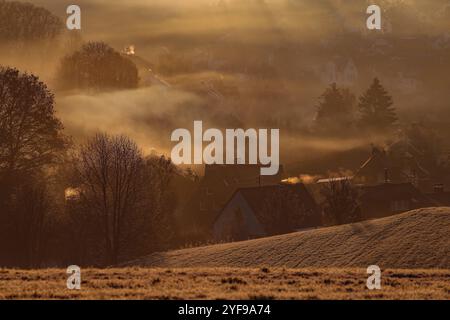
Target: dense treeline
{"points": [[94, 204]]}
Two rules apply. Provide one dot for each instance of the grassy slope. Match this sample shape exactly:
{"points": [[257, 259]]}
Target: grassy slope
{"points": [[416, 239]]}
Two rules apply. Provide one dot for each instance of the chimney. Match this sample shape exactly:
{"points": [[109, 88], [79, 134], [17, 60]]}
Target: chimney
{"points": [[438, 188], [386, 175]]}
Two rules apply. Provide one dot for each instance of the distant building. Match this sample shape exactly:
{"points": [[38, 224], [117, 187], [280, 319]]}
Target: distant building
{"points": [[250, 212], [406, 85], [399, 163], [341, 71], [387, 199], [439, 196], [380, 199], [218, 185]]}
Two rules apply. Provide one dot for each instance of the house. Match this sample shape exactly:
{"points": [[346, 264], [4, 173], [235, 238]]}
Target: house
{"points": [[387, 199], [439, 196], [218, 185], [380, 200], [339, 70], [264, 211], [399, 163]]}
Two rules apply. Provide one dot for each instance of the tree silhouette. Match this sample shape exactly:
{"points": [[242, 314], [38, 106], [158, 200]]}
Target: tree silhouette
{"points": [[31, 140], [24, 21], [126, 196], [340, 204], [29, 211], [160, 201], [335, 109], [109, 169], [30, 134], [97, 66], [375, 106]]}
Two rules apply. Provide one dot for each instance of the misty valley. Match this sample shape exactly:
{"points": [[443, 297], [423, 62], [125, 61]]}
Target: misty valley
{"points": [[233, 149]]}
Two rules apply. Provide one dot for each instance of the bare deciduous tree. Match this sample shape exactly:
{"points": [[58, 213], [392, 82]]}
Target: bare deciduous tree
{"points": [[340, 203], [110, 170]]}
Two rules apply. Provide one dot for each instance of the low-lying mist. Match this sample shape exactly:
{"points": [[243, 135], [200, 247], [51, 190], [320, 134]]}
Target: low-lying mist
{"points": [[251, 64]]}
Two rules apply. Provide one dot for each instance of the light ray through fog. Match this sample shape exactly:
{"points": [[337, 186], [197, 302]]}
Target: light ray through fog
{"points": [[272, 53]]}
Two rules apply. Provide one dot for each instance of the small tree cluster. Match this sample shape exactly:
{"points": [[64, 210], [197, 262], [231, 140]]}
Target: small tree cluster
{"points": [[123, 194], [336, 112], [97, 66], [118, 204]]}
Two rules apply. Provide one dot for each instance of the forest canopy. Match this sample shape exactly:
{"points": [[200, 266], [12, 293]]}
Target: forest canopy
{"points": [[97, 66]]}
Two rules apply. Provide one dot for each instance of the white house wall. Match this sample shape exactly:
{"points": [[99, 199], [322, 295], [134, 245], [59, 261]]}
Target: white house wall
{"points": [[253, 227]]}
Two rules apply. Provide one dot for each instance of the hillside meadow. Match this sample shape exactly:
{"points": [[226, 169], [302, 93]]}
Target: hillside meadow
{"points": [[418, 239]]}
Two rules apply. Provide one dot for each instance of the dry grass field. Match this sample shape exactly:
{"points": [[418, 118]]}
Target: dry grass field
{"points": [[224, 283], [412, 250]]}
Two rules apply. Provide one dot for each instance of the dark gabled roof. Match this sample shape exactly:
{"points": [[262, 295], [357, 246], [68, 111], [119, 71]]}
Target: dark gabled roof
{"points": [[376, 161], [380, 160], [404, 145], [249, 174], [392, 191], [256, 196], [441, 199], [223, 180]]}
